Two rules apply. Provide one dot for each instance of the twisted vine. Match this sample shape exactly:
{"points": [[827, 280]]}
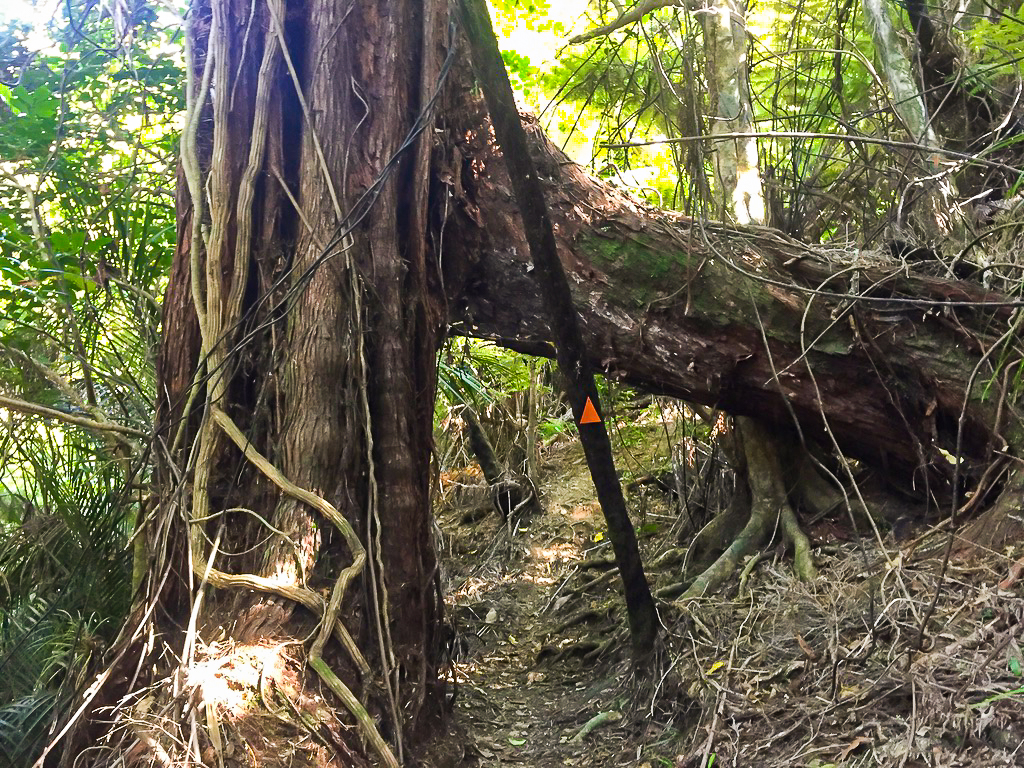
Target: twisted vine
{"points": [[218, 320]]}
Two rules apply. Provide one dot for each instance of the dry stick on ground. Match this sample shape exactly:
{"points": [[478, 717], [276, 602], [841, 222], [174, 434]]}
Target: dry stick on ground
{"points": [[569, 347]]}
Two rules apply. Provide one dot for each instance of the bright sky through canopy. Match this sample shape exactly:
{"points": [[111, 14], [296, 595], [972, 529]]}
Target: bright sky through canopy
{"points": [[541, 46], [34, 14]]}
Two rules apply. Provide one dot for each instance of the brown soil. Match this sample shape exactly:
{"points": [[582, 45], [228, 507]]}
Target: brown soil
{"points": [[525, 690], [776, 673]]}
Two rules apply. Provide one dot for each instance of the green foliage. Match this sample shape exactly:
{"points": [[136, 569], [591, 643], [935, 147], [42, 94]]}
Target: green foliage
{"points": [[514, 22], [1013, 693], [998, 48], [811, 73], [552, 426], [87, 154], [624, 89], [1014, 665], [477, 372], [519, 68], [86, 215], [648, 529], [31, 124], [66, 584]]}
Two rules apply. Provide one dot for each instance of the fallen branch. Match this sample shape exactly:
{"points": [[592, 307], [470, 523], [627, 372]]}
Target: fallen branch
{"points": [[601, 718]]}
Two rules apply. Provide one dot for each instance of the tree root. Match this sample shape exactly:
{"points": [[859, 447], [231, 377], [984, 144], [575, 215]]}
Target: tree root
{"points": [[596, 563], [672, 591], [601, 718], [596, 581], [803, 563], [583, 617], [588, 650], [769, 507], [330, 623], [746, 543], [749, 569]]}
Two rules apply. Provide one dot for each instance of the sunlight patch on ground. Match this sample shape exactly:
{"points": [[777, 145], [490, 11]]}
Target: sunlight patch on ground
{"points": [[562, 552], [586, 513], [478, 586], [231, 677]]}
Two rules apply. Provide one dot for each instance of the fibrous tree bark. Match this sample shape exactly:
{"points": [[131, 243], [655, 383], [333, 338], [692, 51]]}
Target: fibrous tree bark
{"points": [[296, 380]]}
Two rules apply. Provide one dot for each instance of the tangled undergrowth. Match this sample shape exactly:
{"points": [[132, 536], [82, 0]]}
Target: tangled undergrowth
{"points": [[770, 671]]}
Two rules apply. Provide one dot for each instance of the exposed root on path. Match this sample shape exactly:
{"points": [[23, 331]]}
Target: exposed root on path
{"points": [[769, 508]]}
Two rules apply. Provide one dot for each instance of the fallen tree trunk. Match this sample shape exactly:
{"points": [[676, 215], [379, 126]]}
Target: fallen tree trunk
{"points": [[842, 345]]}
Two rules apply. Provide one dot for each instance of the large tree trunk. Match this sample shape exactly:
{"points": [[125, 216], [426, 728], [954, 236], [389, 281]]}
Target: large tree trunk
{"points": [[744, 319], [297, 373]]}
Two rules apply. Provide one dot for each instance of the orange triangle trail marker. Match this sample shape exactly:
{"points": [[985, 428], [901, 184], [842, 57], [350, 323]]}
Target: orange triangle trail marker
{"points": [[589, 414]]}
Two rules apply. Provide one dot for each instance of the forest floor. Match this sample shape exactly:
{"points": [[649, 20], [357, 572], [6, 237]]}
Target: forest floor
{"points": [[769, 672]]}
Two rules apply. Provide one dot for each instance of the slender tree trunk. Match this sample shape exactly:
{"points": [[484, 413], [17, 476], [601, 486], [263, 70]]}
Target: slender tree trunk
{"points": [[532, 416], [569, 346], [481, 447], [929, 196], [740, 196]]}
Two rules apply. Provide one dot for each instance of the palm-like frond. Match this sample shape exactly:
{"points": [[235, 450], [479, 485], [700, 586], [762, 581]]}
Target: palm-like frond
{"points": [[483, 372], [66, 587]]}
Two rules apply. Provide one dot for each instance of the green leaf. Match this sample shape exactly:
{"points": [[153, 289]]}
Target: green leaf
{"points": [[68, 242], [78, 282], [518, 64], [648, 529]]}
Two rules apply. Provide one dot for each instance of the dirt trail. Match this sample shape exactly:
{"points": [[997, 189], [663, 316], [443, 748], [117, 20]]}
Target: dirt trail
{"points": [[521, 702], [771, 672]]}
